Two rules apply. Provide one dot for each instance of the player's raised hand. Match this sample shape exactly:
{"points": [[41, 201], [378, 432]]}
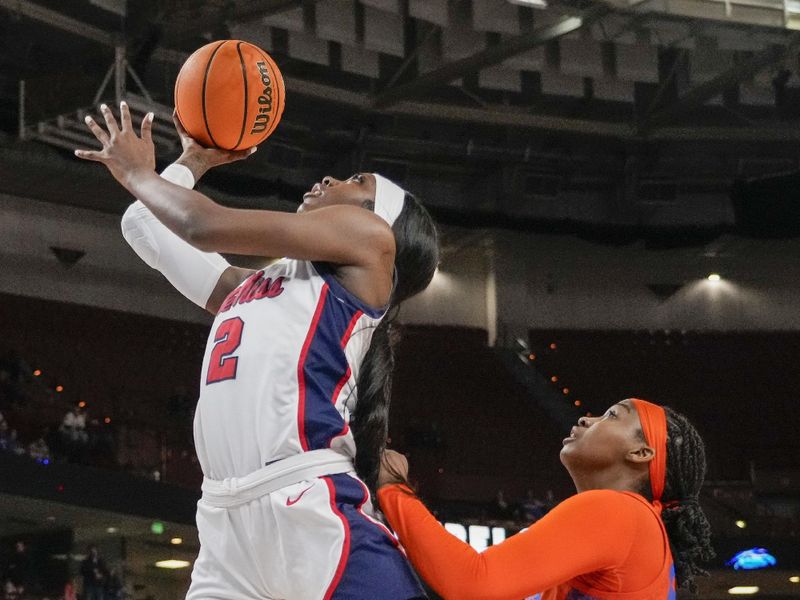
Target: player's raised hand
{"points": [[124, 153], [394, 468], [200, 159]]}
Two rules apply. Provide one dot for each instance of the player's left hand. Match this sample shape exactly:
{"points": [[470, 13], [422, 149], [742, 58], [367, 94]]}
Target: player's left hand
{"points": [[124, 153], [394, 468]]}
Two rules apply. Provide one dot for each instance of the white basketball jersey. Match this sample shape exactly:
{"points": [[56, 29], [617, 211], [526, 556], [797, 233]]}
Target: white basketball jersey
{"points": [[280, 369]]}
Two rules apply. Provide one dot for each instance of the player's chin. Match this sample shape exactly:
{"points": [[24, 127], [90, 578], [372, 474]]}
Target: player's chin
{"points": [[568, 449]]}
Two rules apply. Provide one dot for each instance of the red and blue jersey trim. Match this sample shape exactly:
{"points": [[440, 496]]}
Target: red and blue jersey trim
{"points": [[323, 369], [371, 564]]}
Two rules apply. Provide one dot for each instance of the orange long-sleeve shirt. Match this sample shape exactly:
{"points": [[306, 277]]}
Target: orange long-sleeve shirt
{"points": [[600, 544]]}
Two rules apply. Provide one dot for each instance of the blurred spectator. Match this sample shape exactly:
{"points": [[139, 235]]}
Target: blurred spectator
{"points": [[73, 426], [18, 571], [115, 590], [69, 590], [532, 509], [10, 591], [8, 438], [550, 500], [38, 450], [74, 438], [67, 428], [5, 435], [95, 575], [500, 508], [80, 425]]}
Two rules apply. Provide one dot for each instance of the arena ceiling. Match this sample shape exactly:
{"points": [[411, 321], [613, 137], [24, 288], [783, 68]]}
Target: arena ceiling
{"points": [[490, 107]]}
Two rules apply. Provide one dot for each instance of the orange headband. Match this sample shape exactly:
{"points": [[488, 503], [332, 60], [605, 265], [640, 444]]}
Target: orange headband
{"points": [[654, 427]]}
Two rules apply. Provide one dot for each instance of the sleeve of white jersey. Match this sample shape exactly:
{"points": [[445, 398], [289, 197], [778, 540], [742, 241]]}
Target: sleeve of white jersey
{"points": [[192, 272]]}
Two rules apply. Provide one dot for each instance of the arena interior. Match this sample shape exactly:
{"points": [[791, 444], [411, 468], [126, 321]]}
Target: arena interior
{"points": [[615, 186]]}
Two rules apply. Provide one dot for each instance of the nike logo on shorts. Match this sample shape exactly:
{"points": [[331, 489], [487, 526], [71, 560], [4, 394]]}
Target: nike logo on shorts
{"points": [[289, 501]]}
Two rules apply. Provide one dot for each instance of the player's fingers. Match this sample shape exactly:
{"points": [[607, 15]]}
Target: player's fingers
{"points": [[111, 122], [98, 131], [147, 127], [125, 116], [178, 125], [235, 155], [89, 155]]}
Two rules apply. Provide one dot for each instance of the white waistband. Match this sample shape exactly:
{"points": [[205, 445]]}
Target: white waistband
{"points": [[233, 491]]}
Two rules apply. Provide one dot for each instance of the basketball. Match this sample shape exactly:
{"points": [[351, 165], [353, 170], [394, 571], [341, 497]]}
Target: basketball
{"points": [[229, 94]]}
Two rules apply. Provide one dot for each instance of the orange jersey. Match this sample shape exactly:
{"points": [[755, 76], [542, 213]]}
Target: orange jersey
{"points": [[600, 544]]}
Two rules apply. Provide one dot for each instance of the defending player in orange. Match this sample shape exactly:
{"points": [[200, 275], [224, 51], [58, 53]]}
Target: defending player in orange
{"points": [[632, 530]]}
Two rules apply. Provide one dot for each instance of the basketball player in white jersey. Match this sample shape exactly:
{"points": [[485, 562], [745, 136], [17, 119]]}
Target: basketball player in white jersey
{"points": [[297, 371]]}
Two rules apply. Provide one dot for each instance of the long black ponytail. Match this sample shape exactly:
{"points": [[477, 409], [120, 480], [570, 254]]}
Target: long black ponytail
{"points": [[687, 526], [416, 259]]}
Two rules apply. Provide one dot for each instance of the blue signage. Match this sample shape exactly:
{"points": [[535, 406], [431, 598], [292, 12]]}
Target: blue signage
{"points": [[754, 558]]}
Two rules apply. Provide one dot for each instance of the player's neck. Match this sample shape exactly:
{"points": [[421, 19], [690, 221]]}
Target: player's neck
{"points": [[606, 479]]}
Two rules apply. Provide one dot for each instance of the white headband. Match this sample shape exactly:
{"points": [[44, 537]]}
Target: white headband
{"points": [[389, 199]]}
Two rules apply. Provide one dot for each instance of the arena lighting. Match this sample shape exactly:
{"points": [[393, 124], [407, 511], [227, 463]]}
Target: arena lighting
{"points": [[176, 541], [741, 524], [742, 590], [441, 279], [714, 277], [173, 564], [533, 3], [111, 530], [794, 579]]}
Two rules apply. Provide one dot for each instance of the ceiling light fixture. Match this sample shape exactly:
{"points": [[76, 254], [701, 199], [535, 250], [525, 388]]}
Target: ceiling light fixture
{"points": [[173, 564], [533, 3]]}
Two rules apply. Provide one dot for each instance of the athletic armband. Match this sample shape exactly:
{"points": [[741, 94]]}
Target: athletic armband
{"points": [[192, 272]]}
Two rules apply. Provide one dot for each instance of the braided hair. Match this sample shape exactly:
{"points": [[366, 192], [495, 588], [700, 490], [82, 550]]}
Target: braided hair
{"points": [[416, 258], [688, 529]]}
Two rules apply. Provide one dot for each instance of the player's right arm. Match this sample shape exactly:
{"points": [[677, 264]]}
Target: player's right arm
{"points": [[205, 278], [588, 533]]}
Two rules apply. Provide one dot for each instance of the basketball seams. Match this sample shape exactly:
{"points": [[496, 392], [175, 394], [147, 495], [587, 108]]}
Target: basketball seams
{"points": [[244, 78], [205, 81]]}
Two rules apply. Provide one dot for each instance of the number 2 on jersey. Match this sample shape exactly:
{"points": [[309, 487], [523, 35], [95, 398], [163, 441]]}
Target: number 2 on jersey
{"points": [[222, 366]]}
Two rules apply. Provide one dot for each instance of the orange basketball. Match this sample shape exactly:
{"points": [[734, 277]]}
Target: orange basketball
{"points": [[229, 94]]}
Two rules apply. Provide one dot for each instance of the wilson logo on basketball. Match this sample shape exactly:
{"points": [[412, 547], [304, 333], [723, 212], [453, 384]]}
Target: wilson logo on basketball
{"points": [[255, 287], [265, 100]]}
